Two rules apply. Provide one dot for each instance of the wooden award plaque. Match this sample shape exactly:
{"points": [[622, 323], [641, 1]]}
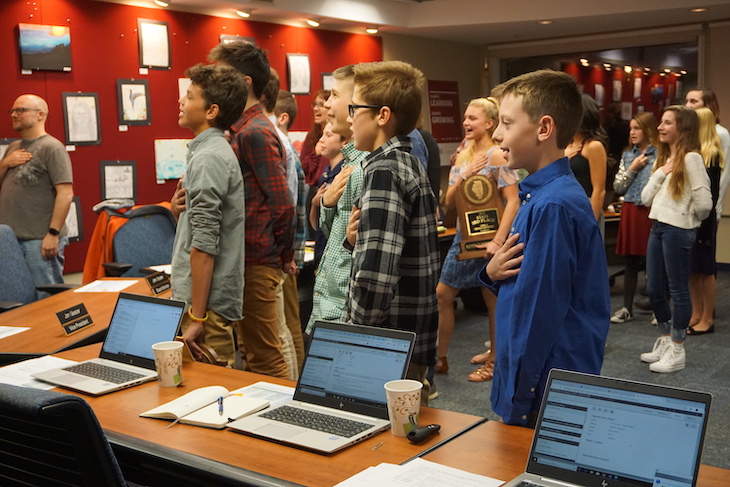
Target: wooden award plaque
{"points": [[480, 206]]}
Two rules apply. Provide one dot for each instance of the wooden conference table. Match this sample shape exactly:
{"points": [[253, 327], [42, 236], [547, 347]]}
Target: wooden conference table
{"points": [[46, 335], [500, 451], [192, 455]]}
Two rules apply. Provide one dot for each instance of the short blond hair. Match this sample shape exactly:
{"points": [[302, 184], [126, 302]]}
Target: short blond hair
{"points": [[394, 84], [548, 92]]}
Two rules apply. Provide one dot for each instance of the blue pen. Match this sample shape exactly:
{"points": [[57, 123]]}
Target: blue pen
{"points": [[220, 406]]}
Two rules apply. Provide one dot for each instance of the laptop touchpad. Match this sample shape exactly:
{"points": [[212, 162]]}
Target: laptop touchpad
{"points": [[283, 432], [70, 378]]}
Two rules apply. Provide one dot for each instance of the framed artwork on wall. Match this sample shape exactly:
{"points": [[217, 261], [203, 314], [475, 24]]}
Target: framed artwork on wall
{"points": [[154, 44], [299, 74], [81, 118], [118, 180], [327, 81], [74, 223], [134, 102], [46, 47]]}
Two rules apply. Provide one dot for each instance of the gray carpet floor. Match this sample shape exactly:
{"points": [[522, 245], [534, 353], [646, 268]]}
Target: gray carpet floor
{"points": [[708, 365]]}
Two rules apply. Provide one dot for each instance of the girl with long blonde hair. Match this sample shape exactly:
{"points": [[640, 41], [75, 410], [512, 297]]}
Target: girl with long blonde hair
{"points": [[480, 156], [703, 267]]}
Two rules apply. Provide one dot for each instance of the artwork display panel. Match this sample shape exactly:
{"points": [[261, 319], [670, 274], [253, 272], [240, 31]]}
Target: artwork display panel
{"points": [[45, 47], [81, 118], [154, 44], [134, 102], [118, 180], [299, 74]]}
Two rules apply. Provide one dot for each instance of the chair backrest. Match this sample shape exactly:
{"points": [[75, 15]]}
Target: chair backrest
{"points": [[145, 240], [16, 283], [50, 438]]}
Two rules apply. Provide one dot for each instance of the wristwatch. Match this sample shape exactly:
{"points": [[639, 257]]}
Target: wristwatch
{"points": [[53, 231]]}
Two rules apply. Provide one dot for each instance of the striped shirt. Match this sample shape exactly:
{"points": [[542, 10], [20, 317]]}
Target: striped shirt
{"points": [[396, 260]]}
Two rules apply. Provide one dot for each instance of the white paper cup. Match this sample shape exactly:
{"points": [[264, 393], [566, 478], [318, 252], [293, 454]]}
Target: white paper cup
{"points": [[404, 405], [168, 361]]}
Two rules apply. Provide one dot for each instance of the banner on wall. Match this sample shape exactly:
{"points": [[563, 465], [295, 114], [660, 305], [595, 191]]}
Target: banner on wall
{"points": [[445, 112]]}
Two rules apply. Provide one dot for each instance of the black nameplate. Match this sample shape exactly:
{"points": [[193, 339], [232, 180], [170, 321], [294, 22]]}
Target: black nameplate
{"points": [[78, 325], [72, 313], [156, 278], [161, 287], [480, 222]]}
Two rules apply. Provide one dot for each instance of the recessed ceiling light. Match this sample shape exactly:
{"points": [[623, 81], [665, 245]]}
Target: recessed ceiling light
{"points": [[243, 14], [545, 22], [372, 30], [162, 3], [683, 71], [584, 61], [313, 23], [667, 70], [628, 69], [698, 10]]}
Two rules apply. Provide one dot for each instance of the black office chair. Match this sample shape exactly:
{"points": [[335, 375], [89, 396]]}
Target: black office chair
{"points": [[145, 240], [50, 438]]}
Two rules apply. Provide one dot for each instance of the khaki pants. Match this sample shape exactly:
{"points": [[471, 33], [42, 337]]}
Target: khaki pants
{"points": [[293, 321], [218, 335], [258, 331]]}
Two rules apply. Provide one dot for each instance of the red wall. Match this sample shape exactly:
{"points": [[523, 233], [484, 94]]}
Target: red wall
{"points": [[104, 48]]}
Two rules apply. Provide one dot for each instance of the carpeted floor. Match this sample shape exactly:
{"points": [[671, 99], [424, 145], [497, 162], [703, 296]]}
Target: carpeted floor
{"points": [[708, 365]]}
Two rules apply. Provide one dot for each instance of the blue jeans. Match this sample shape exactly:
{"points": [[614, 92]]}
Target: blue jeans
{"points": [[667, 267], [44, 271]]}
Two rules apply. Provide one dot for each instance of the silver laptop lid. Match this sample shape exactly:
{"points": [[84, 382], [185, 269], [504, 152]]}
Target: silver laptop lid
{"points": [[137, 323], [346, 366], [606, 432]]}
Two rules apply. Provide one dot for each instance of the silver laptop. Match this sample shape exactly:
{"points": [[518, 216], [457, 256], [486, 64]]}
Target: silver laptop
{"points": [[126, 358], [604, 432], [339, 399]]}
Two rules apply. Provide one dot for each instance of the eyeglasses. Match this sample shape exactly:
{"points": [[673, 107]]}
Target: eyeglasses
{"points": [[352, 108], [317, 105], [22, 110]]}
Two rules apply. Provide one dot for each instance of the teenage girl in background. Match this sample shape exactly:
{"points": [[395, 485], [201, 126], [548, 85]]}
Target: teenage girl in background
{"points": [[679, 195], [633, 231], [480, 156], [703, 267]]}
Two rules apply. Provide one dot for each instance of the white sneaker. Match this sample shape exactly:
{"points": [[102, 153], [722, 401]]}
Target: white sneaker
{"points": [[653, 320], [622, 316], [660, 345], [673, 359]]}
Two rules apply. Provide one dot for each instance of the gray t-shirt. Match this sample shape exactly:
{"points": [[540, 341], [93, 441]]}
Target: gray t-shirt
{"points": [[28, 192]]}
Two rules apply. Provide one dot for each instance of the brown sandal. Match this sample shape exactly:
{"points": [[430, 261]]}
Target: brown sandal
{"points": [[483, 373], [442, 366]]}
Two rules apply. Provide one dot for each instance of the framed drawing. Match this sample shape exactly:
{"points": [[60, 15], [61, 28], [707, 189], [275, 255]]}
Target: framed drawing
{"points": [[299, 75], [74, 224], [154, 44], [45, 47], [118, 180], [4, 144], [327, 81], [134, 102], [81, 117]]}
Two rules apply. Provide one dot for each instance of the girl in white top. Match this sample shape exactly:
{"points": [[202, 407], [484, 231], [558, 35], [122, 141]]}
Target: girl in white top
{"points": [[679, 195]]}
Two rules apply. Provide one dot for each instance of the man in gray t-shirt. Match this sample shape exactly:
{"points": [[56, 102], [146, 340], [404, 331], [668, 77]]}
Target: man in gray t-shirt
{"points": [[36, 189]]}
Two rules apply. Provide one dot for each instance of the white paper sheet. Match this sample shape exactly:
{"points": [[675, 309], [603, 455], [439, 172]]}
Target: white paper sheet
{"points": [[7, 331], [418, 473], [18, 374], [106, 286], [274, 393]]}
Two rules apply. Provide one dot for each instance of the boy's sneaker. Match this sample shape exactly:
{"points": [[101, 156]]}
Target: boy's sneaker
{"points": [[653, 320], [660, 345], [673, 359], [622, 316]]}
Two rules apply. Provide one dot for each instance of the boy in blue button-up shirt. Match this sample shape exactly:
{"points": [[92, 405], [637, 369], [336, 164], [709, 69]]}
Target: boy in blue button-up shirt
{"points": [[550, 275]]}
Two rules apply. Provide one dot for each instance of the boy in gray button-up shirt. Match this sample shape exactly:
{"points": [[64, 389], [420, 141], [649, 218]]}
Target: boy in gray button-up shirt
{"points": [[208, 257]]}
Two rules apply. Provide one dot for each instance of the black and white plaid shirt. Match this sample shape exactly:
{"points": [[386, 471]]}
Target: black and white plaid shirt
{"points": [[396, 260]]}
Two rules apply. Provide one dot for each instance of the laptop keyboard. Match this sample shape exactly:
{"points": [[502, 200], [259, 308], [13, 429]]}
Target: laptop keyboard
{"points": [[103, 372], [316, 421], [527, 483]]}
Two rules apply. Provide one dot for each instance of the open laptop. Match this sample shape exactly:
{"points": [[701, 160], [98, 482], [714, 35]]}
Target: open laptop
{"points": [[342, 379], [126, 358], [605, 432]]}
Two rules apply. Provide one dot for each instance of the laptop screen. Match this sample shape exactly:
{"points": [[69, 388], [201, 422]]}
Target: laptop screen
{"points": [[617, 432], [137, 323], [347, 366]]}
